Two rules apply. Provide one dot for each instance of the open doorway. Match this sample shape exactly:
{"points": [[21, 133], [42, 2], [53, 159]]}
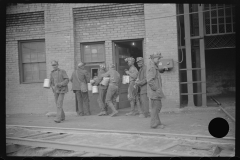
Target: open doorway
{"points": [[221, 75], [121, 50]]}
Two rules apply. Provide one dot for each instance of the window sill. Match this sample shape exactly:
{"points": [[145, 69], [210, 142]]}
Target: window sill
{"points": [[31, 82]]}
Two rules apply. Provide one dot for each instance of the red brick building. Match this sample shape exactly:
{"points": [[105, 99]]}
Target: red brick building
{"points": [[96, 34]]}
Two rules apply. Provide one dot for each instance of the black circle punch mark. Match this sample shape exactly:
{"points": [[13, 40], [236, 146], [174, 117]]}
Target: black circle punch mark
{"points": [[218, 127]]}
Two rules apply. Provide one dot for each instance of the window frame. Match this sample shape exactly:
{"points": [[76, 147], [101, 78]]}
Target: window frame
{"points": [[20, 60], [92, 43]]}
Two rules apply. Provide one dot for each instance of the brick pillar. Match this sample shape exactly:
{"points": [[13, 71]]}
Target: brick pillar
{"points": [[60, 46], [161, 35]]}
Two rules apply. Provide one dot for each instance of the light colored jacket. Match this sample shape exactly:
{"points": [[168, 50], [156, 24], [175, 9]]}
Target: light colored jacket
{"points": [[114, 76], [133, 72]]}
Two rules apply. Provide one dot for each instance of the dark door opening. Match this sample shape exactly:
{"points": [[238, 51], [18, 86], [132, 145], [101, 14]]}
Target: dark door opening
{"points": [[122, 50], [221, 75]]}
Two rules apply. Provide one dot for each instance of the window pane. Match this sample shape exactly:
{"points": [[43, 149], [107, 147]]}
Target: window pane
{"points": [[228, 11], [214, 21], [35, 72], [214, 14], [228, 19], [42, 66], [228, 27], [214, 29], [26, 57], [94, 52], [101, 52], [207, 29], [34, 57], [27, 72], [233, 27], [221, 20], [41, 57], [221, 12], [221, 28]]}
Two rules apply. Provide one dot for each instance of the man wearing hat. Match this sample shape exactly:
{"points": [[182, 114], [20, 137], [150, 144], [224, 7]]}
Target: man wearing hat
{"points": [[141, 82], [79, 79], [132, 91], [112, 91], [154, 89], [102, 89], [58, 83]]}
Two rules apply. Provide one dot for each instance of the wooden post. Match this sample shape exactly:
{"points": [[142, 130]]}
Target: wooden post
{"points": [[188, 54]]}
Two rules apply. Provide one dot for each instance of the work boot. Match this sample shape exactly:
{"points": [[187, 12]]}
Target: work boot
{"points": [[129, 114], [57, 121], [114, 113], [99, 114]]}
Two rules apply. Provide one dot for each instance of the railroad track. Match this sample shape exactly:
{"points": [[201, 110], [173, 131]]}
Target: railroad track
{"points": [[81, 142]]}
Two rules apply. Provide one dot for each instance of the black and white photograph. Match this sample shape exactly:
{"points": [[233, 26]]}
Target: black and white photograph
{"points": [[120, 80]]}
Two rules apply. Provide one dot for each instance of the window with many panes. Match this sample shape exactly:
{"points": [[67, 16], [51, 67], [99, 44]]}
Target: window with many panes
{"points": [[93, 52], [219, 18], [32, 61]]}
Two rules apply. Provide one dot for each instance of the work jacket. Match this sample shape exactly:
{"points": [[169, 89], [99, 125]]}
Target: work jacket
{"points": [[83, 76], [142, 79], [133, 72], [154, 87], [114, 76], [59, 81], [99, 79]]}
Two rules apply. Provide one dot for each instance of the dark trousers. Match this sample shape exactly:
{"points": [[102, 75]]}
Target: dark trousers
{"points": [[156, 107], [143, 104], [59, 104], [112, 93], [82, 105], [101, 98]]}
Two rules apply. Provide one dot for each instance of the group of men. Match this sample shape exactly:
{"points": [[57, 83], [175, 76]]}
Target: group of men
{"points": [[144, 84]]}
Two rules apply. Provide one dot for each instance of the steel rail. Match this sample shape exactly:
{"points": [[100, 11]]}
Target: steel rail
{"points": [[220, 105], [168, 135], [90, 148]]}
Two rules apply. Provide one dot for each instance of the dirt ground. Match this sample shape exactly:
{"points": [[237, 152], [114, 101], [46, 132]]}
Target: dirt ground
{"points": [[192, 121]]}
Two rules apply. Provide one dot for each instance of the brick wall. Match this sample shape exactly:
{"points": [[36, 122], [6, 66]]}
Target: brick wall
{"points": [[30, 25], [161, 35], [63, 30], [107, 23]]}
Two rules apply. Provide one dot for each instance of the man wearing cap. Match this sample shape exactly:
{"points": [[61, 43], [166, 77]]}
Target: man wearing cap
{"points": [[154, 89], [102, 90], [132, 91], [141, 82], [112, 91], [58, 83], [79, 79]]}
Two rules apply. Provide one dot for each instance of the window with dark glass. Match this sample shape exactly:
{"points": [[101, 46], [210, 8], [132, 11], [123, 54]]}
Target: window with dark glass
{"points": [[32, 59], [93, 52]]}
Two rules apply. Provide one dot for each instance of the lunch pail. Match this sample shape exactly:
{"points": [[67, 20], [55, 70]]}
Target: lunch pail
{"points": [[125, 79], [94, 89], [89, 86], [46, 83]]}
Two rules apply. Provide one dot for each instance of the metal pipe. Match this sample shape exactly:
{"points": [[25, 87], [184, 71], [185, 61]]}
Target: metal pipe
{"points": [[219, 104]]}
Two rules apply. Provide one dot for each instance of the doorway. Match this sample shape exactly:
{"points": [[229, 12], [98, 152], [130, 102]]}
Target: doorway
{"points": [[121, 50]]}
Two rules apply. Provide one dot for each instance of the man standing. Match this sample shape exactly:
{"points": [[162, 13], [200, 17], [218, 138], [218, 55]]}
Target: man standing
{"points": [[141, 82], [79, 79], [102, 90], [112, 91], [132, 92], [58, 83], [154, 89]]}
